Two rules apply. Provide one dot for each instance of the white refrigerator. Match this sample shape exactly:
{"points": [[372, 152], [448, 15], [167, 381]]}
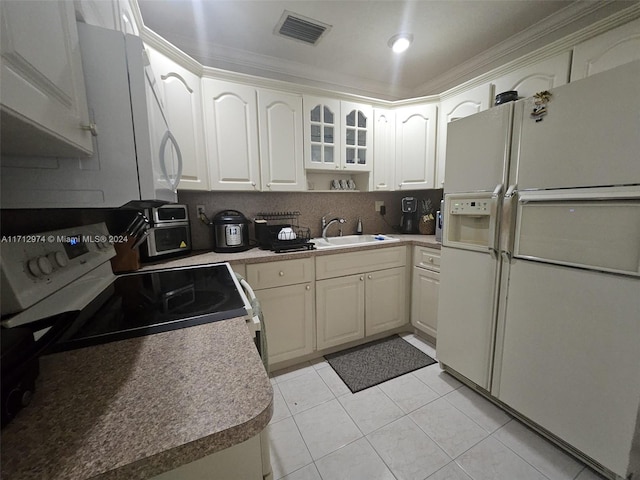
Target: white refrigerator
{"points": [[539, 301]]}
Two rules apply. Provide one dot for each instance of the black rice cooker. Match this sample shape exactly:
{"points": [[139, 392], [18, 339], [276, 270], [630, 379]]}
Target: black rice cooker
{"points": [[230, 232]]}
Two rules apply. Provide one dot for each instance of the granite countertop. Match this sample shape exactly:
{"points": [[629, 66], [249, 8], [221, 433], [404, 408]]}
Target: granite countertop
{"points": [[255, 255], [135, 408]]}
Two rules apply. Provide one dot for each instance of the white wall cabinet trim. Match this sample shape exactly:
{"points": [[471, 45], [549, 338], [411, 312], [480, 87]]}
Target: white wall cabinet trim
{"points": [[416, 146], [281, 145], [231, 132]]}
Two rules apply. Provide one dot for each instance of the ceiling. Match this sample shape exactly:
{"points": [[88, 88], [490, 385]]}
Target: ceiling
{"points": [[453, 40]]}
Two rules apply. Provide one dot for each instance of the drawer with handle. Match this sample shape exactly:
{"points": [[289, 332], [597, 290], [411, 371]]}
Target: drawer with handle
{"points": [[426, 258], [277, 274]]}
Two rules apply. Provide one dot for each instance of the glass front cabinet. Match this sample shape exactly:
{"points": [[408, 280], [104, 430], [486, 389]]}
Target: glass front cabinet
{"points": [[358, 136], [321, 133], [338, 135]]}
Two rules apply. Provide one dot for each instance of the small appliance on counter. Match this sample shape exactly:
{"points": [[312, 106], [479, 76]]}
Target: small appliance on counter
{"points": [[280, 232], [170, 232], [409, 219], [230, 232]]}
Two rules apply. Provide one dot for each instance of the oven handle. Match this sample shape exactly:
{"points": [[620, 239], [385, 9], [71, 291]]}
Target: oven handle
{"points": [[257, 320]]}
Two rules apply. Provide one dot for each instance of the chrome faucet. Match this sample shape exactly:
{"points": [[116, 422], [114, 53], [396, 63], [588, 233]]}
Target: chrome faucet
{"points": [[326, 225]]}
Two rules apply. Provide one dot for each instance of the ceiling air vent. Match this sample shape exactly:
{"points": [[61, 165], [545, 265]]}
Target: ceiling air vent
{"points": [[301, 28]]}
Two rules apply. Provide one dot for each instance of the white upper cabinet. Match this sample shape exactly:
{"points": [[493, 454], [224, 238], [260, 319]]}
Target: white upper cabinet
{"points": [[182, 100], [44, 103], [231, 133], [322, 127], [281, 154], [606, 51], [535, 78], [458, 106], [357, 136], [384, 149], [415, 146]]}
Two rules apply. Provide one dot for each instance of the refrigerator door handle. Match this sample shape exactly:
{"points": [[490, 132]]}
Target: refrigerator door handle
{"points": [[507, 233], [493, 222]]}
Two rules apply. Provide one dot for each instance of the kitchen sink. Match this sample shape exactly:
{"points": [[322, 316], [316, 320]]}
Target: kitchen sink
{"points": [[351, 241]]}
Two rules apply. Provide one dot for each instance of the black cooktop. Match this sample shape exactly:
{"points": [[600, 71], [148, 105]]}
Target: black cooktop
{"points": [[152, 302]]}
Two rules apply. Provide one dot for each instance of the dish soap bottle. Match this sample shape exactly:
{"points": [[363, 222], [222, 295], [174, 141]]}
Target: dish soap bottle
{"points": [[359, 227]]}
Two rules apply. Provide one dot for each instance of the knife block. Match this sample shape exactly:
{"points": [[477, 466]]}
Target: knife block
{"points": [[127, 259]]}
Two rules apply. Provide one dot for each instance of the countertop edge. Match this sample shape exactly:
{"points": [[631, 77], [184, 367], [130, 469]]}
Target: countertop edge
{"points": [[255, 255]]}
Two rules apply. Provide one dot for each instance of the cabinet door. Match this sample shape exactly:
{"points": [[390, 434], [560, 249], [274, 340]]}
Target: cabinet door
{"points": [[231, 132], [386, 299], [280, 127], [424, 300], [322, 127], [181, 97], [42, 81], [529, 80], [415, 147], [458, 106], [109, 177], [604, 52], [357, 134], [339, 310], [288, 317], [384, 149]]}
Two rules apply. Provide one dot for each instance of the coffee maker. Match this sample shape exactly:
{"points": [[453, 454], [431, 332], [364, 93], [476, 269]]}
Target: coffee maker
{"points": [[409, 219]]}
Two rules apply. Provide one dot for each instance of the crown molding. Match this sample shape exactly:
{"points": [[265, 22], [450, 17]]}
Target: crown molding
{"points": [[250, 63], [268, 72], [476, 67], [564, 44], [168, 49]]}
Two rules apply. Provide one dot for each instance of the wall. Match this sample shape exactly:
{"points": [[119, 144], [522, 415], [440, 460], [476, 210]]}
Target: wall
{"points": [[311, 205]]}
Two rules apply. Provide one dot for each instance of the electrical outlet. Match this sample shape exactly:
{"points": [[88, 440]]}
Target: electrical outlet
{"points": [[199, 210], [379, 206]]}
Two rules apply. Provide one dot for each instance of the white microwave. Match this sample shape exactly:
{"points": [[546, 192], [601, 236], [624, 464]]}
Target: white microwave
{"points": [[136, 157]]}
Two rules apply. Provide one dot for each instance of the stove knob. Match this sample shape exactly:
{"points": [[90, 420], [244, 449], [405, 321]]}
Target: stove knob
{"points": [[45, 265], [58, 259], [39, 266]]}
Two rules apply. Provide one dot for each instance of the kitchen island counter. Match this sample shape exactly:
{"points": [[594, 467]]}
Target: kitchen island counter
{"points": [[255, 255], [136, 408]]}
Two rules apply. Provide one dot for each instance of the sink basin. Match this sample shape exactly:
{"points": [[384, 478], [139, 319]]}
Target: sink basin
{"points": [[351, 241]]}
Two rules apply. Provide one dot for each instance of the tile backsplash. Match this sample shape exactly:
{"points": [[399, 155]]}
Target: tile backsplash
{"points": [[311, 205]]}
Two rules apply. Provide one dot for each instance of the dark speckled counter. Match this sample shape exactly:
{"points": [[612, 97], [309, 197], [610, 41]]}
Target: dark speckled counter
{"points": [[136, 408]]}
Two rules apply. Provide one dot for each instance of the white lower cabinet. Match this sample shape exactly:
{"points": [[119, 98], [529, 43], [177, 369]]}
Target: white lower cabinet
{"points": [[360, 294], [244, 461], [286, 293], [425, 289], [340, 310]]}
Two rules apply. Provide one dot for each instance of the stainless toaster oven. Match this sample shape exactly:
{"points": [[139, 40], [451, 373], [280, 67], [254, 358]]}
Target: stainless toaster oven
{"points": [[170, 232]]}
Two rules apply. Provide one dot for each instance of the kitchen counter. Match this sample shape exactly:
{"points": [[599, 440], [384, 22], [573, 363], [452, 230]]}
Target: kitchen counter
{"points": [[135, 408], [255, 255]]}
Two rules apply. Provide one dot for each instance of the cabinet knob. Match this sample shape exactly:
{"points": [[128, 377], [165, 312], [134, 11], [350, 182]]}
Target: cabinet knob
{"points": [[369, 277], [281, 274], [253, 184], [344, 166], [337, 166], [430, 260], [90, 127], [362, 279], [308, 287]]}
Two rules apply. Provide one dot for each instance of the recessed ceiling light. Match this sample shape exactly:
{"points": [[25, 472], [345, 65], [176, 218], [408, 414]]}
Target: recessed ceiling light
{"points": [[400, 42]]}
